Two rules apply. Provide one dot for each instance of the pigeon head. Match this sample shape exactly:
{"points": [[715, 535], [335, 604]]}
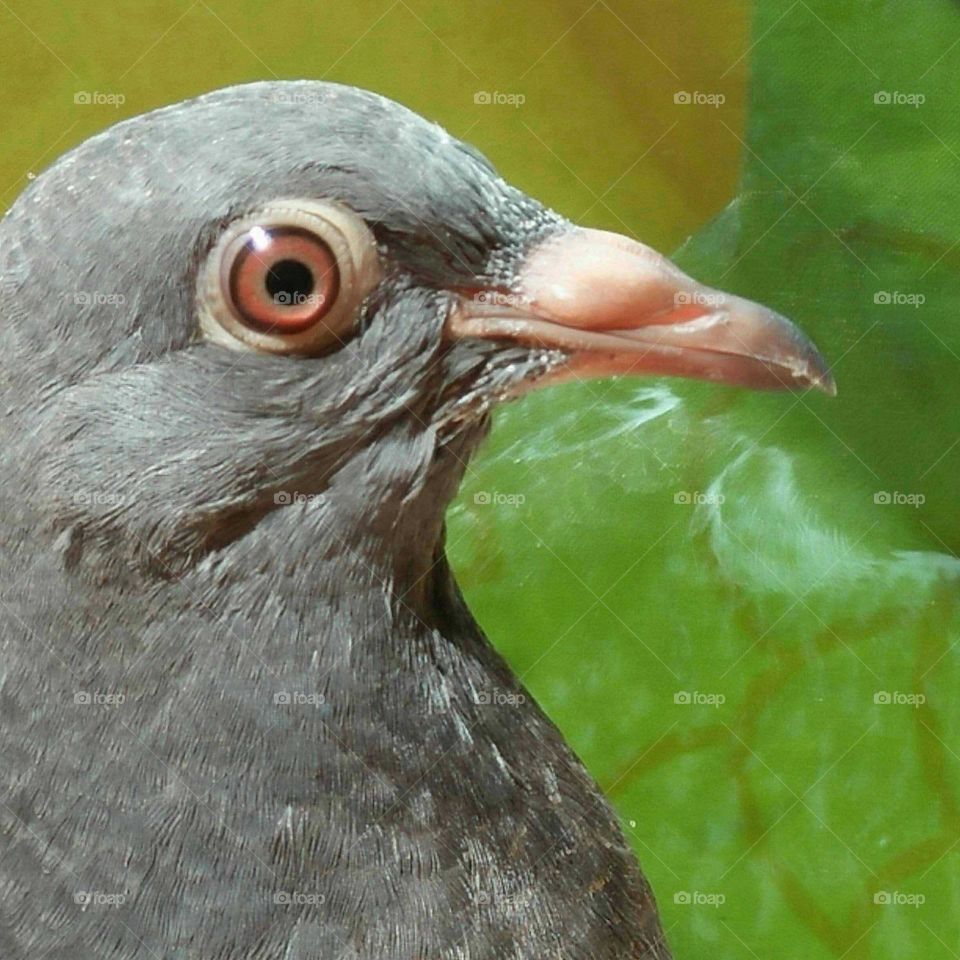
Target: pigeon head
{"points": [[291, 307]]}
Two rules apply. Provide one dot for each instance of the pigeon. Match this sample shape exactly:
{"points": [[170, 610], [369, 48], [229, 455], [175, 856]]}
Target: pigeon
{"points": [[249, 343]]}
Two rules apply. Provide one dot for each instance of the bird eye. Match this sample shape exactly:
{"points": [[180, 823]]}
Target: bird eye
{"points": [[281, 279], [288, 279]]}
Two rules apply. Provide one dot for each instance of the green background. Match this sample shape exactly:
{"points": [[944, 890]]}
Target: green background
{"points": [[791, 594]]}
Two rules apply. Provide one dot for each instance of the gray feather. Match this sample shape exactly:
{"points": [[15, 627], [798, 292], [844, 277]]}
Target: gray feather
{"points": [[244, 711]]}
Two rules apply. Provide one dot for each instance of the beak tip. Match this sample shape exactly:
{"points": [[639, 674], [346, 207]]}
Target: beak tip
{"points": [[818, 375], [820, 378]]}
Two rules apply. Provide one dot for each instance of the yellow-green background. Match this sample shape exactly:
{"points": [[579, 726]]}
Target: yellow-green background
{"points": [[799, 801]]}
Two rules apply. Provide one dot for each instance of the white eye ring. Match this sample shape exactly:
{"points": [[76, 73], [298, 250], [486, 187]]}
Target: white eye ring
{"points": [[328, 246]]}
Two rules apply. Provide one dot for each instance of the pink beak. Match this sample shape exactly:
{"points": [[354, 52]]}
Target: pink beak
{"points": [[615, 306]]}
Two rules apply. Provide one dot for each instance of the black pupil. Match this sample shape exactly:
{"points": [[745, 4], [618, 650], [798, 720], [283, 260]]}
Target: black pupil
{"points": [[289, 282]]}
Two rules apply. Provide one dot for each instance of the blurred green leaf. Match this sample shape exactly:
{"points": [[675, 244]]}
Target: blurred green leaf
{"points": [[802, 594]]}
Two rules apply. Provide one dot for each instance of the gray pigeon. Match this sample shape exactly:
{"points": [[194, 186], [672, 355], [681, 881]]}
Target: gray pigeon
{"points": [[249, 343]]}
